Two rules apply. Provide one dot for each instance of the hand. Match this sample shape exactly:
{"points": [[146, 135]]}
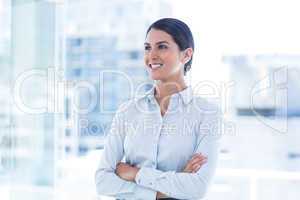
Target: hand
{"points": [[126, 171], [195, 163], [160, 195]]}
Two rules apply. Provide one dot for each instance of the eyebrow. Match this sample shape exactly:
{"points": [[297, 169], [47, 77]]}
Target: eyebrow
{"points": [[160, 42]]}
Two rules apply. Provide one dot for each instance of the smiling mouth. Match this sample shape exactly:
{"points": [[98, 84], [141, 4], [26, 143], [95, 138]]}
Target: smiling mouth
{"points": [[155, 66]]}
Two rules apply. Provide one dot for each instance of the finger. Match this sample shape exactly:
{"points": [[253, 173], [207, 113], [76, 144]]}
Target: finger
{"points": [[196, 169], [197, 159], [191, 161], [197, 155], [189, 167], [201, 162], [197, 166]]}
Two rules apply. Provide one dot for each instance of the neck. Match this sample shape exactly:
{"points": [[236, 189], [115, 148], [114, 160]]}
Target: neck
{"points": [[164, 89]]}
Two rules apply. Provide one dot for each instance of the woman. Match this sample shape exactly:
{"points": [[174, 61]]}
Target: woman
{"points": [[168, 136]]}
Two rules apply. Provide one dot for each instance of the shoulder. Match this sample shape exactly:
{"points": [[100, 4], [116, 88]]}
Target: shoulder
{"points": [[131, 106], [125, 106], [206, 105], [210, 116]]}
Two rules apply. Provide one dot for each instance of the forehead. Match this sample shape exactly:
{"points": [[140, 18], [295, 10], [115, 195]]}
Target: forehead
{"points": [[155, 35]]}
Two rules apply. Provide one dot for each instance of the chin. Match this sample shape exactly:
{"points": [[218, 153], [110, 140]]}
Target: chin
{"points": [[155, 77]]}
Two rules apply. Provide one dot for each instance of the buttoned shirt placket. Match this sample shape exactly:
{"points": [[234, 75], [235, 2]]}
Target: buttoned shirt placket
{"points": [[161, 121]]}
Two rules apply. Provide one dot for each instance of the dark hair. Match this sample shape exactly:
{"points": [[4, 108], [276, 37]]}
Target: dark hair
{"points": [[180, 33]]}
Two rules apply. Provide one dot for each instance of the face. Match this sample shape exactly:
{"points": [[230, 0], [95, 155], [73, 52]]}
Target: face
{"points": [[163, 58]]}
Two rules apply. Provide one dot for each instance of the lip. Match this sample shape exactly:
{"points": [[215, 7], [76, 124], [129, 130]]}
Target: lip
{"points": [[154, 66]]}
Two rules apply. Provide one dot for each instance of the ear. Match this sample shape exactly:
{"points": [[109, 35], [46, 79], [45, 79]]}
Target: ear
{"points": [[187, 55]]}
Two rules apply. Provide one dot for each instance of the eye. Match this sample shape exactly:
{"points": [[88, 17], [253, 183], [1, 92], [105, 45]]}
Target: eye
{"points": [[162, 46], [147, 48]]}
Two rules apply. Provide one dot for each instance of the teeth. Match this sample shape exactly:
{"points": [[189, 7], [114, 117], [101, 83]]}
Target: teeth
{"points": [[154, 66]]}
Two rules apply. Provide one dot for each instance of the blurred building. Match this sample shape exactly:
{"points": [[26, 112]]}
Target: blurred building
{"points": [[104, 48], [264, 135], [108, 78], [268, 84], [6, 140]]}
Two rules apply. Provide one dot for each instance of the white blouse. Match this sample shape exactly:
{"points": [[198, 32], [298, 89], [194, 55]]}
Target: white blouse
{"points": [[161, 147]]}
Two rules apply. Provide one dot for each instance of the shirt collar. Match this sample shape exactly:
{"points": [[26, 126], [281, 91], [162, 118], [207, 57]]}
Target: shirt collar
{"points": [[186, 95]]}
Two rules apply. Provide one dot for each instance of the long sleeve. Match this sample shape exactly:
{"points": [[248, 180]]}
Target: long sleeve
{"points": [[188, 185], [107, 182]]}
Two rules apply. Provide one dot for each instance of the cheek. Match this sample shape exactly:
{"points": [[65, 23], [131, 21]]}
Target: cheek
{"points": [[172, 60], [145, 58]]}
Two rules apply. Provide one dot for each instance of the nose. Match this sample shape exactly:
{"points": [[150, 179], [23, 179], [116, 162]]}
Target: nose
{"points": [[153, 54]]}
